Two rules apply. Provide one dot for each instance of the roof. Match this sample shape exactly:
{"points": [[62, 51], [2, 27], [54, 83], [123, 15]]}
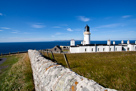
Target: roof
{"points": [[94, 45], [58, 47], [87, 28], [127, 44]]}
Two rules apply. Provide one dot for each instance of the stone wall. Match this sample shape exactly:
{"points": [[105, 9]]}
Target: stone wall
{"points": [[49, 76]]}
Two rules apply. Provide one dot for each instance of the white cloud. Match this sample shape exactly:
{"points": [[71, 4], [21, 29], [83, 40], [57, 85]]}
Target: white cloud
{"points": [[23, 39], [5, 28], [1, 30], [38, 26], [110, 25], [14, 32], [126, 16], [58, 33], [1, 14], [83, 18], [53, 36], [64, 25], [26, 33], [56, 27], [107, 17], [69, 29], [77, 29]]}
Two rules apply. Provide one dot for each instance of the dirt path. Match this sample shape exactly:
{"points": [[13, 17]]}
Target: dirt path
{"points": [[2, 60]]}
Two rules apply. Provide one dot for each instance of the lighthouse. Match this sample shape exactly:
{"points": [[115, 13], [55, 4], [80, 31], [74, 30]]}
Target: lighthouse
{"points": [[86, 35], [86, 46]]}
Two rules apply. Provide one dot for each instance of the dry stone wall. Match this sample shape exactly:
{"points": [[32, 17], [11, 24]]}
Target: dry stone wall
{"points": [[49, 76]]}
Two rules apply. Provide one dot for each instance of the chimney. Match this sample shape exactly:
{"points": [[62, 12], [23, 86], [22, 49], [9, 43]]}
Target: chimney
{"points": [[84, 42], [72, 42], [108, 42], [113, 42], [122, 42], [81, 42], [128, 42]]}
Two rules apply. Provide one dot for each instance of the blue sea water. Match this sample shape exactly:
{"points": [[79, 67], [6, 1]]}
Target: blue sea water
{"points": [[24, 46]]}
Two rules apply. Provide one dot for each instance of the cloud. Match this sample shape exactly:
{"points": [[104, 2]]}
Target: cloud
{"points": [[15, 31], [26, 33], [5, 28], [83, 18], [77, 29], [107, 17], [38, 26], [58, 33], [1, 30], [1, 14], [110, 25], [69, 29], [126, 16], [64, 25], [53, 36], [56, 27]]}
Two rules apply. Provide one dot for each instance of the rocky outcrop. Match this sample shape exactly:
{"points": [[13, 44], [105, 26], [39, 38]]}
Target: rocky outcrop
{"points": [[49, 76]]}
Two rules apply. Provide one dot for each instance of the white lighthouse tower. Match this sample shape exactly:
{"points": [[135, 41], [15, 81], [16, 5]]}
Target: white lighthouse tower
{"points": [[86, 35]]}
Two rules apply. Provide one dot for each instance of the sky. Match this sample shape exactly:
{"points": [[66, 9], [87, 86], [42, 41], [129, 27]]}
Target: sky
{"points": [[49, 20]]}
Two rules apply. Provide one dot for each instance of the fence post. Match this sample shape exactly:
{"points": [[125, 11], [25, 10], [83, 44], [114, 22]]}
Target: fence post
{"points": [[47, 53], [52, 55], [9, 53], [66, 60], [42, 52]]}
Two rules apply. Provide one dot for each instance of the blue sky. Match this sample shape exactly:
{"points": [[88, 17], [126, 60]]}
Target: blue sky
{"points": [[47, 20]]}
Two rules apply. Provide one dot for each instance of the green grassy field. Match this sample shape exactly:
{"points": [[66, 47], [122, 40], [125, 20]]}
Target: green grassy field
{"points": [[116, 70], [17, 76]]}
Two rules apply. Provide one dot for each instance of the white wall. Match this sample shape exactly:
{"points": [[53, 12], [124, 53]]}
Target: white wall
{"points": [[118, 48], [105, 48], [131, 47], [72, 42], [86, 49], [102, 48], [83, 49], [112, 48], [134, 47], [74, 49]]}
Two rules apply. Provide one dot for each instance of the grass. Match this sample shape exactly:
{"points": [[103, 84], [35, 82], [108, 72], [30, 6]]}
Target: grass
{"points": [[18, 75], [116, 70], [66, 50]]}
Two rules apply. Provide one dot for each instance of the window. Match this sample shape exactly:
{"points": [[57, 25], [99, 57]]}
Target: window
{"points": [[85, 49], [116, 49], [98, 49], [127, 49], [103, 49], [92, 49], [55, 49]]}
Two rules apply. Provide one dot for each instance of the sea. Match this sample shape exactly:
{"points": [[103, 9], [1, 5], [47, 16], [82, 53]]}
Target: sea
{"points": [[13, 47]]}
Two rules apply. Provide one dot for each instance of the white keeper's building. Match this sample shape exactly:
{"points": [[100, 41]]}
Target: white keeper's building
{"points": [[85, 45]]}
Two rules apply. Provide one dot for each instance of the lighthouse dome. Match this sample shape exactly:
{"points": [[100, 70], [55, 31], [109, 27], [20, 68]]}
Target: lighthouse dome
{"points": [[87, 29]]}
